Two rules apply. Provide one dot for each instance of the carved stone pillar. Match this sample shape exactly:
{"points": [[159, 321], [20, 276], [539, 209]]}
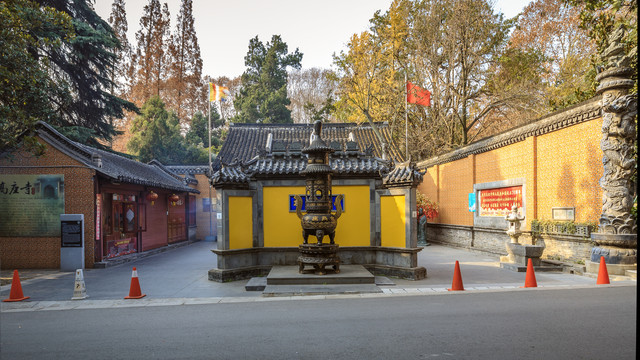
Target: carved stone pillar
{"points": [[616, 238]]}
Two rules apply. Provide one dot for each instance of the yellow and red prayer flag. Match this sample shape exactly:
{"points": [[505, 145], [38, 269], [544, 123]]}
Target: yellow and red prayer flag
{"points": [[217, 92]]}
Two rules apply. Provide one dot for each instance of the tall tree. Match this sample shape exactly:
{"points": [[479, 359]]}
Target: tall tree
{"points": [[450, 47], [600, 18], [151, 52], [371, 81], [122, 70], [551, 28], [156, 135], [185, 65], [77, 65], [263, 96], [309, 90], [27, 30]]}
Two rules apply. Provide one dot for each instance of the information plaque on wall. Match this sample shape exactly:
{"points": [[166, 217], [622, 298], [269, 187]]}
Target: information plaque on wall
{"points": [[71, 233], [563, 213]]}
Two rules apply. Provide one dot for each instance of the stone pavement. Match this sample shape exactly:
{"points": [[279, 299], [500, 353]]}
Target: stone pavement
{"points": [[179, 277]]}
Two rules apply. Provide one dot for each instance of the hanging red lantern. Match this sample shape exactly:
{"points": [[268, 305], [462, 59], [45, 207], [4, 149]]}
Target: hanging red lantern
{"points": [[174, 198], [151, 196]]}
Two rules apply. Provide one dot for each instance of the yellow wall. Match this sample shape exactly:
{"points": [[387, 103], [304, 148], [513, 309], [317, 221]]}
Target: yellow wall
{"points": [[561, 169], [569, 170], [392, 221], [240, 222], [282, 228], [354, 226]]}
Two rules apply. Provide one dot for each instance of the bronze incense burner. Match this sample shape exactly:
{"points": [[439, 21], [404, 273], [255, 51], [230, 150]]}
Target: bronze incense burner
{"points": [[318, 221]]}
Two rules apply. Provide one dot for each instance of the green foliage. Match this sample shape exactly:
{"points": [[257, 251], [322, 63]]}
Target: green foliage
{"points": [[198, 133], [263, 96], [55, 66], [156, 135], [25, 84], [602, 17], [539, 227]]}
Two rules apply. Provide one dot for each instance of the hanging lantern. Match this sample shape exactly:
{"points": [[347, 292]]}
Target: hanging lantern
{"points": [[174, 198], [151, 196]]}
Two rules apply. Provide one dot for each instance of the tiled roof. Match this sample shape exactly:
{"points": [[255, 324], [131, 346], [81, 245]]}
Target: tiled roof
{"points": [[116, 167], [246, 141], [403, 174]]}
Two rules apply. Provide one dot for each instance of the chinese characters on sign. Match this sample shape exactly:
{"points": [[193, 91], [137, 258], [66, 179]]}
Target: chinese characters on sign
{"points": [[498, 202], [30, 205]]}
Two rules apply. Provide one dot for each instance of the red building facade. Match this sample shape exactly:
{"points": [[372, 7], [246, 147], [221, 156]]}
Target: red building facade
{"points": [[128, 206]]}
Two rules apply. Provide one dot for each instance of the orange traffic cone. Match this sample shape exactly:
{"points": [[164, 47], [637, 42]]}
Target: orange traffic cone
{"points": [[530, 279], [134, 291], [603, 274], [456, 284], [16, 289]]}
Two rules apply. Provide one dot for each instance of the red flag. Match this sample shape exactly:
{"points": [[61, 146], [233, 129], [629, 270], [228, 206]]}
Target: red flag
{"points": [[418, 95]]}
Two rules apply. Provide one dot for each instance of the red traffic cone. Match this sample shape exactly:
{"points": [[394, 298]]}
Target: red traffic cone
{"points": [[603, 274], [456, 284], [134, 291], [16, 289], [530, 279]]}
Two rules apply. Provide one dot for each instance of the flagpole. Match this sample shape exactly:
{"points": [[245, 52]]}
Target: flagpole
{"points": [[406, 120], [210, 237]]}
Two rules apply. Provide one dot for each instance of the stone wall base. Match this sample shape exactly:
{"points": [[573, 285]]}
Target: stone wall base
{"points": [[559, 247], [246, 263], [612, 269]]}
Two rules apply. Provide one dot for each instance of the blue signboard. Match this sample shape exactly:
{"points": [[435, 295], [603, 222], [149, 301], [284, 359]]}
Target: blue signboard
{"points": [[292, 203], [472, 202]]}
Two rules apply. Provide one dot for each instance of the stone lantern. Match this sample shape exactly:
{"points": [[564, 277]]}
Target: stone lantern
{"points": [[318, 221], [519, 254]]}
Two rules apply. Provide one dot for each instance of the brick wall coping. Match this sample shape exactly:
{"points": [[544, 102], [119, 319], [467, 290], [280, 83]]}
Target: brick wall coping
{"points": [[579, 113]]}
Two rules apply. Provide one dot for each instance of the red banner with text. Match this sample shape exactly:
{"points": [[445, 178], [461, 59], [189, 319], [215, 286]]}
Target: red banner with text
{"points": [[498, 202]]}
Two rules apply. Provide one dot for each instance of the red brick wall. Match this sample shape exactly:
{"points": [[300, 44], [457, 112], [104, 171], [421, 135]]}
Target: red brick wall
{"points": [[79, 198]]}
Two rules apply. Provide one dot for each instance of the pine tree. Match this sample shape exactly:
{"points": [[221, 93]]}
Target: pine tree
{"points": [[185, 68], [151, 52], [77, 88], [263, 96]]}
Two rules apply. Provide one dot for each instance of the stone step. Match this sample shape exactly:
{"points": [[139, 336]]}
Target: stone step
{"points": [[300, 290], [631, 273], [349, 274]]}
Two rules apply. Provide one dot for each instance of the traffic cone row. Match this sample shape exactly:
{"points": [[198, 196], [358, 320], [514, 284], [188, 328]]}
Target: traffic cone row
{"points": [[530, 278], [79, 291]]}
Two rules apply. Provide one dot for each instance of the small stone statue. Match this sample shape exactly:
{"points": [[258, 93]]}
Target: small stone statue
{"points": [[422, 228]]}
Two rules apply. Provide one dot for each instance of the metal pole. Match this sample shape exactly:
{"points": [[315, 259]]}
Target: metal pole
{"points": [[406, 120], [210, 237]]}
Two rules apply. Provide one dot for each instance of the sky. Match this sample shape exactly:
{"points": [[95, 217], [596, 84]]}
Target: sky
{"points": [[318, 29]]}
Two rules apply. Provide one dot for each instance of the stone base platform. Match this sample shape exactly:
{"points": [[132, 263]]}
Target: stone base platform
{"points": [[287, 281], [612, 269], [523, 268]]}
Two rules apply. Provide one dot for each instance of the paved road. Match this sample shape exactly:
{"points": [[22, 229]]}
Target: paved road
{"points": [[180, 276], [569, 323]]}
